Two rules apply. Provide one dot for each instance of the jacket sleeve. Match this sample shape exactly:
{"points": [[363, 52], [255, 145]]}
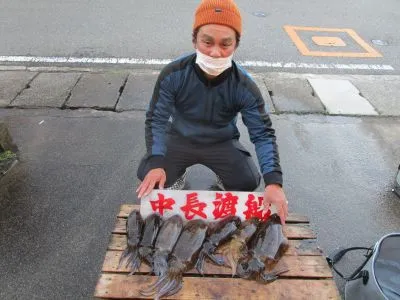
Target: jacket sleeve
{"points": [[157, 116], [261, 133]]}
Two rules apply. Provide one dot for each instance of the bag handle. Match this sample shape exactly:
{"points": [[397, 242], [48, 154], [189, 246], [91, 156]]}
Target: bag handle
{"points": [[338, 255]]}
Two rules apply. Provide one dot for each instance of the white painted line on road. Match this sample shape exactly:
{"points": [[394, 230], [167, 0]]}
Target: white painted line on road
{"points": [[292, 65], [152, 61]]}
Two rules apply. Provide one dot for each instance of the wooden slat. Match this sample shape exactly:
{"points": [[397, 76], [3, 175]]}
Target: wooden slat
{"points": [[296, 247], [297, 218], [291, 231], [117, 242], [299, 266], [309, 276], [118, 286], [303, 231], [292, 217]]}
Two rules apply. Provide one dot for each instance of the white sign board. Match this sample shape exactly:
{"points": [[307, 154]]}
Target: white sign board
{"points": [[206, 205]]}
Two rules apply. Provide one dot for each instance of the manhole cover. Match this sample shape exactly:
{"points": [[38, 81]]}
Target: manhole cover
{"points": [[259, 14], [380, 42]]}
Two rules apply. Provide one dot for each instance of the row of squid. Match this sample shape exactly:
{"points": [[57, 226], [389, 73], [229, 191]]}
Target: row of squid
{"points": [[249, 248]]}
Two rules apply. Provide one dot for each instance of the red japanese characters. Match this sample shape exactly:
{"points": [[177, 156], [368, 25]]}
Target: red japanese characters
{"points": [[207, 205], [161, 204], [225, 205], [255, 209], [194, 207]]}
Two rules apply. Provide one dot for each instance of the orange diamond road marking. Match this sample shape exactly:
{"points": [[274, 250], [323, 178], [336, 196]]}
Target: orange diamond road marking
{"points": [[328, 41], [292, 32]]}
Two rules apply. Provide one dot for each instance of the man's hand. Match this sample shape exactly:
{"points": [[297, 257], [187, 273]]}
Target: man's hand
{"points": [[153, 177], [273, 194]]}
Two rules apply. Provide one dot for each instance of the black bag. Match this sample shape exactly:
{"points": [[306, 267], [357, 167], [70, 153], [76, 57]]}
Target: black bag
{"points": [[378, 277]]}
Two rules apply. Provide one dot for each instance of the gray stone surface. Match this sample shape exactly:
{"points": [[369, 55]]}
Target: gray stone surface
{"points": [[47, 90], [292, 94], [341, 97], [264, 92], [97, 90], [12, 83], [383, 94], [138, 91]]}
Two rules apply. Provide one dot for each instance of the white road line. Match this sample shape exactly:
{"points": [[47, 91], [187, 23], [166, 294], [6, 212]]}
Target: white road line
{"points": [[151, 61]]}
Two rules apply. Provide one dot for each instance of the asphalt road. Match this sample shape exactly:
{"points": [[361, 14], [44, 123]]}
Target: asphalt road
{"points": [[78, 167], [162, 29]]}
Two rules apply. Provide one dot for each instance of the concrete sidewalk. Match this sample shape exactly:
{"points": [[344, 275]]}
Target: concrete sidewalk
{"points": [[129, 90]]}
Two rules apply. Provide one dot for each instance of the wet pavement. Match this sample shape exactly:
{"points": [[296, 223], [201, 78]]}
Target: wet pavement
{"points": [[58, 205]]}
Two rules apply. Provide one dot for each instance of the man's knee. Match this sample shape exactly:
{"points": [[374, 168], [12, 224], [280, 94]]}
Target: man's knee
{"points": [[252, 182], [244, 182]]}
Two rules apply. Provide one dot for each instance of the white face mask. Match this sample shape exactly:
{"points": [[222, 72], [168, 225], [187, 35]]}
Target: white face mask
{"points": [[213, 66]]}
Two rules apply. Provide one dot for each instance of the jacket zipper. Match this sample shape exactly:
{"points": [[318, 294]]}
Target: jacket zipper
{"points": [[207, 110], [212, 110]]}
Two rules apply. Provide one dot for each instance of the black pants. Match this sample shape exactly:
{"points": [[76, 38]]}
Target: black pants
{"points": [[229, 160]]}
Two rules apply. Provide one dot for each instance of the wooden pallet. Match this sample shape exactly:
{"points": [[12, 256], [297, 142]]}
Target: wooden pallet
{"points": [[309, 276]]}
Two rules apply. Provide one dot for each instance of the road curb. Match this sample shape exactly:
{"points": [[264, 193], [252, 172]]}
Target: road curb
{"points": [[284, 92]]}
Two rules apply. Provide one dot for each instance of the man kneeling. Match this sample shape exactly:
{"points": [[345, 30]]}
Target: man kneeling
{"points": [[203, 93]]}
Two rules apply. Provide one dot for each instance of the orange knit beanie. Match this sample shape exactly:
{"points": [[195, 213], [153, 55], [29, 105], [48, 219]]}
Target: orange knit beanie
{"points": [[222, 12]]}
